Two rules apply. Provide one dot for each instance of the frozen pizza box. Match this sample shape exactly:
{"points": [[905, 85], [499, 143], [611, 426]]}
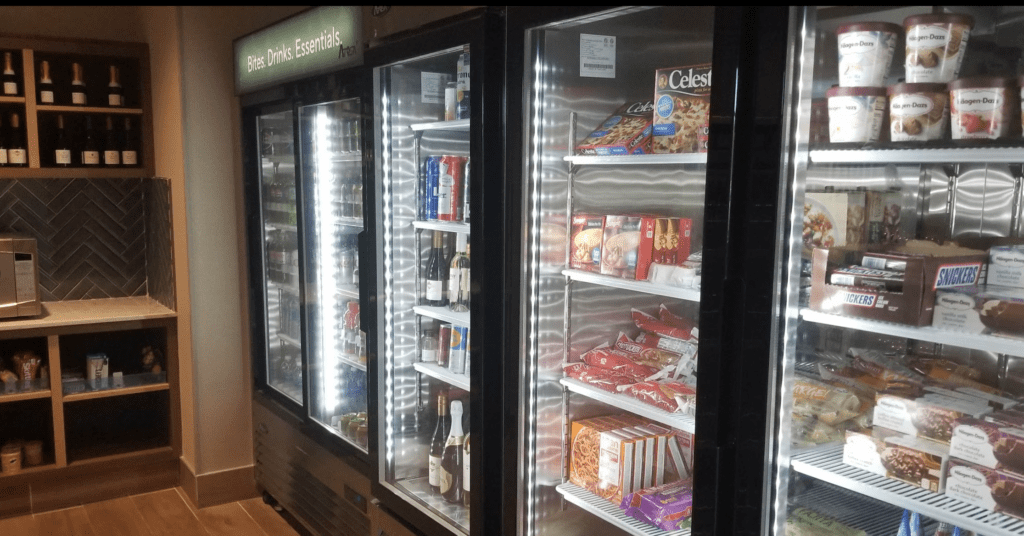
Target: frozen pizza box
{"points": [[627, 131], [926, 269], [587, 235], [834, 219], [988, 309], [992, 489], [619, 248], [682, 105]]}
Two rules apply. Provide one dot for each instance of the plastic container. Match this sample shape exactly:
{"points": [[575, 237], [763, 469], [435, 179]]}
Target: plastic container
{"points": [[865, 52], [34, 453], [981, 108], [855, 114], [918, 112], [10, 459], [935, 46]]}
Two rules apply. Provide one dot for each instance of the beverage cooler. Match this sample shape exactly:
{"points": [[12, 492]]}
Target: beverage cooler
{"points": [[623, 144], [894, 344], [439, 177]]}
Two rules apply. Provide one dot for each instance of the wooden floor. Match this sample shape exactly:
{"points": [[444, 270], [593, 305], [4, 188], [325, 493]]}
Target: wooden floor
{"points": [[161, 513]]}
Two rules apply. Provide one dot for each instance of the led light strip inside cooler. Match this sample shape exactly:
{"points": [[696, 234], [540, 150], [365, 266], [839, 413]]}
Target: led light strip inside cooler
{"points": [[330, 346], [389, 350], [826, 463]]}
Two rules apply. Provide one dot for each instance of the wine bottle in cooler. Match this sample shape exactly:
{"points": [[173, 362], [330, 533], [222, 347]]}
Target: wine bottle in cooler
{"points": [[458, 277], [45, 84], [62, 149], [115, 93], [436, 274], [17, 154], [451, 462], [129, 145], [437, 443], [78, 97], [111, 146], [3, 143], [10, 79], [465, 472], [90, 148]]}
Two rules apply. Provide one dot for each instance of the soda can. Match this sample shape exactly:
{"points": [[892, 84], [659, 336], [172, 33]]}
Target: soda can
{"points": [[457, 354], [450, 102], [433, 177], [444, 341], [449, 188]]}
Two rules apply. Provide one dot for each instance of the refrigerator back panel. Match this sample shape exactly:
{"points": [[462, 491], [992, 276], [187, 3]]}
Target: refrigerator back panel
{"points": [[951, 368], [567, 313]]}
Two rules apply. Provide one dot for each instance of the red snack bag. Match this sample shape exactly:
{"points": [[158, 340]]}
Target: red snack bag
{"points": [[646, 354], [677, 321], [677, 346], [651, 393], [684, 394], [604, 379], [647, 322], [609, 358]]}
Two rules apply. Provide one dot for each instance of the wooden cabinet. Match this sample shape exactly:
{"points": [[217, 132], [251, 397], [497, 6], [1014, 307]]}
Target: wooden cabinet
{"points": [[39, 119]]}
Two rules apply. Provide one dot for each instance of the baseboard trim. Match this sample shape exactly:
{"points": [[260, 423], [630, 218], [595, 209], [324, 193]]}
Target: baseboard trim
{"points": [[218, 487]]}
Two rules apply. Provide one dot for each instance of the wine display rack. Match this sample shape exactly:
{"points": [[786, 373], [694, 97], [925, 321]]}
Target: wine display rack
{"points": [[38, 119]]}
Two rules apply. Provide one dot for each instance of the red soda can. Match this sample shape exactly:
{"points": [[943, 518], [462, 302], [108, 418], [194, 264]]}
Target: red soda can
{"points": [[444, 338], [449, 187]]}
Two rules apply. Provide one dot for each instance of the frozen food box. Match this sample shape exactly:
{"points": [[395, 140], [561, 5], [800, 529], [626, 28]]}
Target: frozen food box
{"points": [[883, 213], [616, 463], [587, 235], [916, 461], [928, 268], [834, 219], [930, 417], [986, 309], [620, 246], [682, 105], [663, 241], [863, 450], [627, 131], [1006, 266], [19, 276], [998, 491], [585, 459], [988, 444]]}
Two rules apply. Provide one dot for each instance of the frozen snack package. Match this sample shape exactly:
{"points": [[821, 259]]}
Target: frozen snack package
{"points": [[627, 131], [807, 522], [668, 507]]}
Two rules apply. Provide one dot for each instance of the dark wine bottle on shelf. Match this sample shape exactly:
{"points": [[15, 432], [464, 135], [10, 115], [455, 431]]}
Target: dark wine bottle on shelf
{"points": [[45, 84], [129, 145], [17, 155], [3, 144], [115, 93], [10, 79], [62, 149], [111, 147], [90, 149], [436, 274], [451, 461], [77, 86], [437, 442]]}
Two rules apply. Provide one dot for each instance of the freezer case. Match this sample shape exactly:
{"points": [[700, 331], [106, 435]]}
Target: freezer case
{"points": [[896, 353], [615, 130]]}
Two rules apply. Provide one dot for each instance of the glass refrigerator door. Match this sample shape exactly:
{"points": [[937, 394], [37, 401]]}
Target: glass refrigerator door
{"points": [[422, 173], [898, 365], [332, 163], [611, 289], [283, 301]]}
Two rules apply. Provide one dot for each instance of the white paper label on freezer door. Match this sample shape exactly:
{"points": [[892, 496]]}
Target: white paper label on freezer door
{"points": [[597, 56], [432, 87]]}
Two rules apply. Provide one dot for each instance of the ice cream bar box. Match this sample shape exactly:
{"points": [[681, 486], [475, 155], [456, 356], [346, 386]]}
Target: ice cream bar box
{"points": [[988, 444], [863, 450], [987, 309], [916, 461], [19, 276], [999, 491], [1006, 266]]}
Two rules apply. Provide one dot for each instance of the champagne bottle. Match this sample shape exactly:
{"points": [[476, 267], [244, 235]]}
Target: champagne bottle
{"points": [[111, 151], [45, 84], [436, 276], [62, 150], [458, 277], [77, 86], [451, 461], [3, 144], [465, 473], [115, 93], [437, 443], [16, 153], [10, 79], [90, 149], [129, 147]]}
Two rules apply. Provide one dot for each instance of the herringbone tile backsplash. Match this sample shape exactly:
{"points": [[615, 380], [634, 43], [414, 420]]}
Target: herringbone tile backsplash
{"points": [[92, 234]]}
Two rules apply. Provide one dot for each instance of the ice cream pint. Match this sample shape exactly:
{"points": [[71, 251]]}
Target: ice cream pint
{"points": [[935, 46], [980, 108], [865, 52], [918, 112], [855, 114]]}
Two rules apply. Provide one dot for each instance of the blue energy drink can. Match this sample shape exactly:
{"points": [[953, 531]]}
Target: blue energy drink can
{"points": [[457, 352], [433, 174]]}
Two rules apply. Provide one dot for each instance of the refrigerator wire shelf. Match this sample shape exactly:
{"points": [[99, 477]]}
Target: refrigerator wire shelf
{"points": [[873, 517], [420, 489], [351, 361], [441, 373], [461, 125], [640, 159], [987, 343], [686, 423], [445, 226], [690, 294], [931, 155], [826, 463], [443, 314], [611, 512]]}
